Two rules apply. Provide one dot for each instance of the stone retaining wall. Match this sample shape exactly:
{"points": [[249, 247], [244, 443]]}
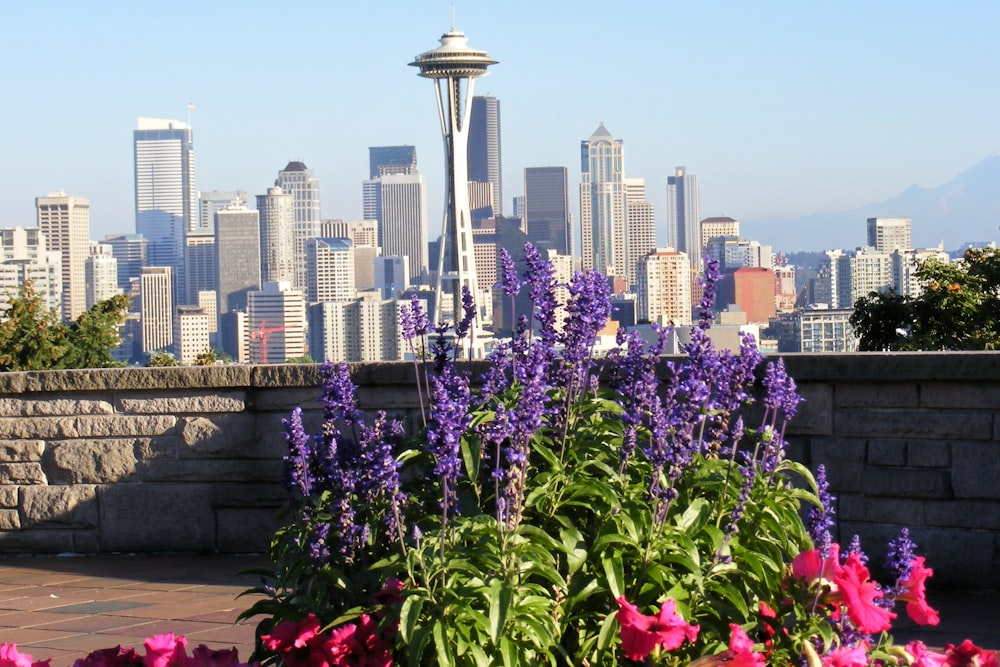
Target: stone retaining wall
{"points": [[188, 459]]}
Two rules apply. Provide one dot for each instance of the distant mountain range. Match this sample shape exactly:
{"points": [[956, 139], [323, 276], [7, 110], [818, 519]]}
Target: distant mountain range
{"points": [[964, 210]]}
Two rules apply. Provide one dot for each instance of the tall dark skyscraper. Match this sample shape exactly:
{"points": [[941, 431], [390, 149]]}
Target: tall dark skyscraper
{"points": [[485, 164], [684, 216], [383, 160], [546, 202]]}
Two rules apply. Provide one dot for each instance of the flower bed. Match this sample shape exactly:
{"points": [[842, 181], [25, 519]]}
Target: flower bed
{"points": [[542, 518]]}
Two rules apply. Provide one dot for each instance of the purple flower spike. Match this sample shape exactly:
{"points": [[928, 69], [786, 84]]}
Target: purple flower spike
{"points": [[509, 283], [821, 518], [295, 474]]}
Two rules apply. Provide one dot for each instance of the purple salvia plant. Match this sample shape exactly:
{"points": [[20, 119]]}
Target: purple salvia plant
{"points": [[899, 560], [540, 278], [854, 547], [820, 519], [378, 482], [415, 327], [509, 282], [733, 525], [468, 314], [448, 420], [318, 548], [295, 466]]}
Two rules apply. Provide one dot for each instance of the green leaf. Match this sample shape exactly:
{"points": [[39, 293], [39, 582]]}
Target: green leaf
{"points": [[441, 645], [472, 451], [499, 596], [614, 572], [409, 615]]}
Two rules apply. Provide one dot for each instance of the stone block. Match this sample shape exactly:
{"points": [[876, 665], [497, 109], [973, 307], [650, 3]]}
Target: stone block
{"points": [[163, 446], [959, 557], [9, 496], [21, 473], [50, 406], [210, 470], [962, 395], [36, 541], [916, 424], [881, 510], [887, 452], [225, 436], [185, 403], [21, 450], [981, 515], [284, 399], [907, 482], [60, 505], [877, 395], [245, 530], [974, 469], [156, 517], [844, 460], [86, 426], [86, 542], [928, 454], [10, 520], [815, 415], [91, 461]]}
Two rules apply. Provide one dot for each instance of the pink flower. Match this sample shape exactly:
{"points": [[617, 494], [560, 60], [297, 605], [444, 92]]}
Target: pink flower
{"points": [[914, 593], [298, 643], [810, 566], [858, 593], [203, 656], [641, 634], [111, 657], [359, 645], [11, 657], [924, 657], [739, 654], [166, 650], [968, 654], [847, 656]]}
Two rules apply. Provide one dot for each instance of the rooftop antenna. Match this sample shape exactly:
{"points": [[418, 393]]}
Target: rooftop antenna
{"points": [[453, 17]]}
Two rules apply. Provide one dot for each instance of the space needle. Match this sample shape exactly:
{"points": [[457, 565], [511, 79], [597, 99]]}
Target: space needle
{"points": [[454, 66]]}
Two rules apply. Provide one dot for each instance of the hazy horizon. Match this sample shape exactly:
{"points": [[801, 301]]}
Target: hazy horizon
{"points": [[780, 110]]}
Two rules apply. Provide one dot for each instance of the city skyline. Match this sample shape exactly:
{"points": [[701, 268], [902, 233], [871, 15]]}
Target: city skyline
{"points": [[780, 111]]}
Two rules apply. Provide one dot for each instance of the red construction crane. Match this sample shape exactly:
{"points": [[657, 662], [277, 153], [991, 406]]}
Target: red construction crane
{"points": [[263, 334]]}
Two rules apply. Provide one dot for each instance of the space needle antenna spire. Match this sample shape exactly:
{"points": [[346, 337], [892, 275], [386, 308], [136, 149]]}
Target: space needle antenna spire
{"points": [[454, 66]]}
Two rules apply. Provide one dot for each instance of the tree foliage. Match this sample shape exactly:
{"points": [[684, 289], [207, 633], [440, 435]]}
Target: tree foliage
{"points": [[32, 337], [957, 309], [160, 358]]}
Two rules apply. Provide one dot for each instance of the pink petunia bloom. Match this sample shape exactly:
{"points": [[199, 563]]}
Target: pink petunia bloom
{"points": [[847, 656], [810, 566], [641, 634], [111, 657], [202, 656], [924, 657], [298, 643], [166, 650], [359, 645], [858, 593], [968, 654], [11, 657], [739, 654], [915, 593]]}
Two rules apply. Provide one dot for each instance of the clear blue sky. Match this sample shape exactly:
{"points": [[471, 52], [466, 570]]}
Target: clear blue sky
{"points": [[780, 108]]}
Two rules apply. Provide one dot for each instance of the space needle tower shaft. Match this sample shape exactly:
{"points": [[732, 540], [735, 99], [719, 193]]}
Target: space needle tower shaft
{"points": [[454, 66]]}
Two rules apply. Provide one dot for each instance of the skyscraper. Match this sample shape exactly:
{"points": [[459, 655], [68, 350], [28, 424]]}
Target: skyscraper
{"points": [[101, 274], [664, 292], [65, 222], [602, 203], [684, 215], [391, 160], [278, 239], [212, 201], [276, 315], [199, 263], [157, 309], [399, 203], [331, 270], [298, 181], [641, 233], [888, 234], [166, 198], [24, 256], [546, 202], [131, 251], [454, 67], [237, 256], [485, 163]]}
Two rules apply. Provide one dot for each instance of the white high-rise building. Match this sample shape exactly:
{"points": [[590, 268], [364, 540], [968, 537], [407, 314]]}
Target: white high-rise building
{"points": [[65, 222], [101, 269], [399, 203], [360, 232], [276, 316], [211, 202], [25, 257], [166, 197], [712, 228], [684, 216], [298, 181], [603, 222], [905, 264], [365, 329], [832, 285], [191, 325], [871, 271], [889, 234], [331, 270], [157, 309], [277, 239], [641, 232], [664, 294]]}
